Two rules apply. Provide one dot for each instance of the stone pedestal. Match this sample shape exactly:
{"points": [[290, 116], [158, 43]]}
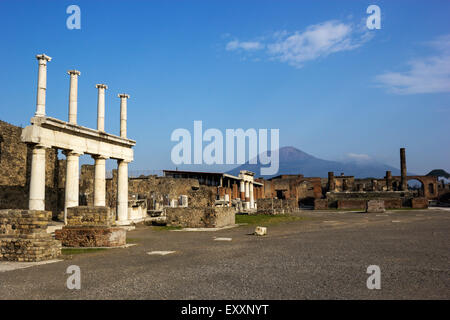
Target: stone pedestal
{"points": [[24, 237], [90, 227]]}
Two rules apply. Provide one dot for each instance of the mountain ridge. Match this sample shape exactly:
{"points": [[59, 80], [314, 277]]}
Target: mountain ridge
{"points": [[296, 161]]}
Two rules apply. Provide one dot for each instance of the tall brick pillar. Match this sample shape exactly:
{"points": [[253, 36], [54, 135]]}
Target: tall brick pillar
{"points": [[331, 185], [404, 183], [388, 180]]}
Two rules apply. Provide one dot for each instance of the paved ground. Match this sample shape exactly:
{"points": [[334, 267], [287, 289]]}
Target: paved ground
{"points": [[323, 257]]}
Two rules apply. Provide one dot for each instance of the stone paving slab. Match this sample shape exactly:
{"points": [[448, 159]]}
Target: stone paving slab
{"points": [[12, 265]]}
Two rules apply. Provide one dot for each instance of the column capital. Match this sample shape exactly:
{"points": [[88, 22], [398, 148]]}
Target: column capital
{"points": [[100, 157], [43, 57], [40, 146], [123, 95], [72, 153], [74, 72], [123, 161], [101, 86]]}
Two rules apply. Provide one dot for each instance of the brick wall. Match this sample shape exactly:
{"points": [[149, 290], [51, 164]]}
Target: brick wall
{"points": [[419, 203], [24, 237], [351, 204], [320, 204]]}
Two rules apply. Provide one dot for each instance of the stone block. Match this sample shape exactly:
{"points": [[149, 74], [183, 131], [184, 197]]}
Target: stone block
{"points": [[375, 206], [260, 231]]}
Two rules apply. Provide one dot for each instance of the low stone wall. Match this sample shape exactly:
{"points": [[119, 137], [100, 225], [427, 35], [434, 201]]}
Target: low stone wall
{"points": [[419, 203], [89, 216], [320, 204], [90, 227], [200, 217], [24, 237], [375, 206], [72, 236], [351, 204], [276, 206], [392, 203]]}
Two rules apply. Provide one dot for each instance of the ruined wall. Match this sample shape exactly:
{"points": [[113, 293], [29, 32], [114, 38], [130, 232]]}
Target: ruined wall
{"points": [[276, 206], [15, 168], [24, 237], [153, 188], [294, 187], [195, 217]]}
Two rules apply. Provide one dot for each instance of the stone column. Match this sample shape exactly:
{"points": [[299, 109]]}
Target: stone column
{"points": [[101, 106], [42, 84], [72, 180], [37, 180], [73, 95], [99, 181], [122, 192], [242, 190], [123, 114], [252, 198], [388, 180], [403, 183], [331, 184], [247, 192]]}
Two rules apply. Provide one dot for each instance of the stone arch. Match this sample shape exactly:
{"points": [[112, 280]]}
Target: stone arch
{"points": [[419, 189]]}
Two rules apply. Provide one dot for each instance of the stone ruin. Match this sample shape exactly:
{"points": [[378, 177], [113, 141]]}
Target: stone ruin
{"points": [[90, 227], [23, 233], [75, 140], [24, 237]]}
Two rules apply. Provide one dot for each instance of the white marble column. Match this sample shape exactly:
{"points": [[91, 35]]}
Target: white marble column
{"points": [[252, 198], [72, 180], [101, 106], [42, 84], [37, 180], [73, 95], [122, 192], [247, 191], [99, 181], [123, 114], [242, 190]]}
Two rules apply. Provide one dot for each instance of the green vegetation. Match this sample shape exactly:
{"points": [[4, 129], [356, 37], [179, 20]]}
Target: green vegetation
{"points": [[132, 240], [265, 219], [70, 251]]}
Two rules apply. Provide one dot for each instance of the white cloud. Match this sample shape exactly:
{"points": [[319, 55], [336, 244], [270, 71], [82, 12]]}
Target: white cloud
{"points": [[358, 157], [316, 41], [427, 75], [248, 45], [319, 40]]}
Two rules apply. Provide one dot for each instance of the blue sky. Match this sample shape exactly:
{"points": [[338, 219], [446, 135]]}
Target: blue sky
{"points": [[309, 68]]}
